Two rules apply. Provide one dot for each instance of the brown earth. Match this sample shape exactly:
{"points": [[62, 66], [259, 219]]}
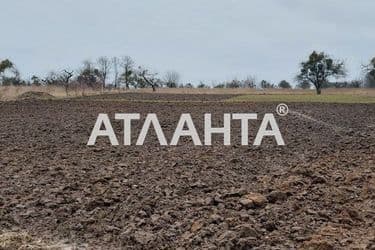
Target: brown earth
{"points": [[317, 192]]}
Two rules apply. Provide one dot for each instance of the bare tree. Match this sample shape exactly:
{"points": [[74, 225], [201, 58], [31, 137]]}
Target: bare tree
{"points": [[148, 78], [51, 79], [65, 78], [369, 71], [56, 79], [235, 83], [171, 79], [266, 85], [115, 65], [88, 76], [104, 67], [249, 82], [127, 75]]}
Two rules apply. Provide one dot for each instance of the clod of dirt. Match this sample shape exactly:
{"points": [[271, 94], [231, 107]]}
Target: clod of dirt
{"points": [[227, 237], [235, 192], [35, 95], [276, 196], [247, 230], [258, 200], [215, 218], [196, 226], [143, 238], [247, 203]]}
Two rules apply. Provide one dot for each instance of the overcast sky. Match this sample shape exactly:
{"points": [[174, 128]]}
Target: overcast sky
{"points": [[209, 40]]}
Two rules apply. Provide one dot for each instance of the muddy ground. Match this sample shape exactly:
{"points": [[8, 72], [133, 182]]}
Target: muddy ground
{"points": [[317, 192]]}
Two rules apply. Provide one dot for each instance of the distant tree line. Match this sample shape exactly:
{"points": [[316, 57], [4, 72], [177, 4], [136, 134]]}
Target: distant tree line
{"points": [[122, 72], [95, 75]]}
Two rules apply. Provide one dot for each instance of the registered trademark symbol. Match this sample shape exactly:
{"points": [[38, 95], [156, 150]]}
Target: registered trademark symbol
{"points": [[282, 109]]}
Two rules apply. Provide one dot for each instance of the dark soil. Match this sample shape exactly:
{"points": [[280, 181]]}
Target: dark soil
{"points": [[317, 192]]}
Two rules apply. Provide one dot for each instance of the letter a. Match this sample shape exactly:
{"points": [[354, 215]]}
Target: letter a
{"points": [[191, 131], [108, 131], [275, 131]]}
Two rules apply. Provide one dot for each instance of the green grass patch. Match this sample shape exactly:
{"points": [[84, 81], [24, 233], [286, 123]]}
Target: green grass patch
{"points": [[328, 98]]}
